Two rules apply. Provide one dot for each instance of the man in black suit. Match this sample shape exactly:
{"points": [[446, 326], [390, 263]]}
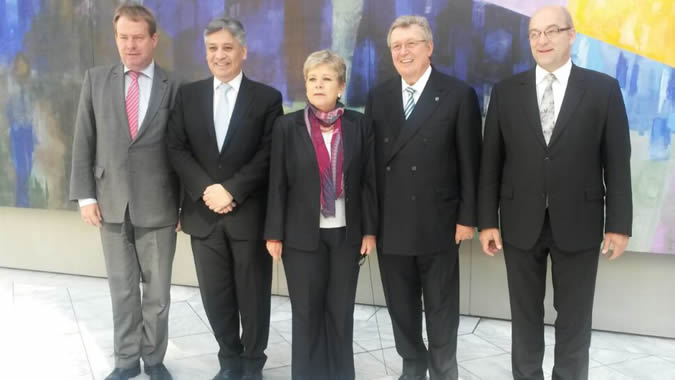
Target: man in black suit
{"points": [[556, 151], [427, 150], [219, 143]]}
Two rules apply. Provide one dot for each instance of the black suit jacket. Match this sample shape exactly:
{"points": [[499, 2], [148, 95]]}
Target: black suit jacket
{"points": [[242, 165], [428, 172], [294, 190], [585, 166]]}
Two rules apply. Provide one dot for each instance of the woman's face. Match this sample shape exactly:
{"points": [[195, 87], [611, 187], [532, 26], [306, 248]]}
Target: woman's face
{"points": [[323, 87]]}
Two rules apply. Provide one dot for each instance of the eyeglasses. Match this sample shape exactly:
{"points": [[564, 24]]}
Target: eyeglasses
{"points": [[409, 45], [362, 259], [551, 32]]}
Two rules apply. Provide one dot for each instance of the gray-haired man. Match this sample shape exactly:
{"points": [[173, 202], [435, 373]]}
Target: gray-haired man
{"points": [[219, 144]]}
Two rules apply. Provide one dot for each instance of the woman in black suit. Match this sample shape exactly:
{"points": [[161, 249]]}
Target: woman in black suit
{"points": [[321, 216]]}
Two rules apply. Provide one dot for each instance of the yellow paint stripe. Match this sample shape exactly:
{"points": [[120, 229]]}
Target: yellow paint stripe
{"points": [[644, 27]]}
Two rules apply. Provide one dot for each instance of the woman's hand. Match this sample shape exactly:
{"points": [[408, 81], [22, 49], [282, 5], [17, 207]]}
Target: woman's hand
{"points": [[274, 247], [367, 244]]}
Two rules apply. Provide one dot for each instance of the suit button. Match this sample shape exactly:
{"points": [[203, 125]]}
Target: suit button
{"points": [[347, 199], [413, 198], [388, 168], [547, 158], [220, 166], [413, 168], [386, 140]]}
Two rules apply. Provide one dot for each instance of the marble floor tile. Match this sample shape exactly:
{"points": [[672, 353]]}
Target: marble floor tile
{"points": [[67, 321], [183, 320], [496, 367], [633, 343], [647, 368], [606, 357], [281, 373], [196, 304], [283, 328], [364, 312], [197, 367], [278, 355], [474, 347], [467, 324], [191, 345], [368, 367]]}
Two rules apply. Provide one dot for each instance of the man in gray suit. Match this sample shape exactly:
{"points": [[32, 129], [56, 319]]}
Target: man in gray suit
{"points": [[124, 185]]}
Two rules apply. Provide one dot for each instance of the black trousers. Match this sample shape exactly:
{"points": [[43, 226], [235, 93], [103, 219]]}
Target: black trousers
{"points": [[322, 288], [406, 279], [574, 275], [235, 280]]}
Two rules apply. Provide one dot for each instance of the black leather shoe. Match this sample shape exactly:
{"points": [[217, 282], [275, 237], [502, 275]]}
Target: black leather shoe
{"points": [[124, 373], [228, 374], [257, 375], [158, 372]]}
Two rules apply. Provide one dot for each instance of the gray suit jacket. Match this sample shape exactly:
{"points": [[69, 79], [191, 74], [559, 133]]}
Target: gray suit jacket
{"points": [[109, 166]]}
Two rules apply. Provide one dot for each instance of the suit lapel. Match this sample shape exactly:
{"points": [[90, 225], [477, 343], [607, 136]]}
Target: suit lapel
{"points": [[425, 107], [573, 94], [303, 135], [119, 106], [157, 93], [245, 97], [531, 106]]}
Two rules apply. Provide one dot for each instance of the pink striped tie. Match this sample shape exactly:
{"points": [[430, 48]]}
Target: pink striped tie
{"points": [[132, 104]]}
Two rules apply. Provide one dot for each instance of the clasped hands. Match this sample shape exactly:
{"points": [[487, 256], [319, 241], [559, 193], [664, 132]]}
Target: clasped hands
{"points": [[218, 199]]}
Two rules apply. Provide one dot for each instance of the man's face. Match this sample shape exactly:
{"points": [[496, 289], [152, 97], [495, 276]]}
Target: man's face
{"points": [[224, 55], [134, 43], [551, 49], [411, 52]]}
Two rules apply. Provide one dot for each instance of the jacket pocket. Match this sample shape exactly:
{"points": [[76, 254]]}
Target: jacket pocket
{"points": [[98, 172]]}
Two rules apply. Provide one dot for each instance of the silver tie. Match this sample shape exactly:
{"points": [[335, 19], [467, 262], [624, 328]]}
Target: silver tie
{"points": [[547, 109], [223, 114], [410, 102]]}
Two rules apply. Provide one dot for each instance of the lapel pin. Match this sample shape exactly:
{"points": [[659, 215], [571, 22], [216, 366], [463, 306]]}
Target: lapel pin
{"points": [[436, 99]]}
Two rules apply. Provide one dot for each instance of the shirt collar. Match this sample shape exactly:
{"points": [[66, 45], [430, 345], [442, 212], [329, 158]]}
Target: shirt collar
{"points": [[562, 74], [235, 83], [148, 71], [419, 85]]}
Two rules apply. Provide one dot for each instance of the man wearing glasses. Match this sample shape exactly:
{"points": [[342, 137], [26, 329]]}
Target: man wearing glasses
{"points": [[555, 167], [427, 150]]}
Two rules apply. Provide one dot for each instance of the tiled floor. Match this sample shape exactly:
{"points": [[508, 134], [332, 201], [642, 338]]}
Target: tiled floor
{"points": [[60, 327]]}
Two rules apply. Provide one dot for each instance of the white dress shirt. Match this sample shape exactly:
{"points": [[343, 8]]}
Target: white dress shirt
{"points": [[340, 219], [562, 76], [418, 86], [144, 89], [234, 84]]}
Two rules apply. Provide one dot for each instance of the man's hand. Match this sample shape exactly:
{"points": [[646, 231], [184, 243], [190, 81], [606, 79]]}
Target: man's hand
{"points": [[367, 244], [274, 247], [91, 214], [490, 241], [617, 243], [463, 233], [179, 228], [218, 199]]}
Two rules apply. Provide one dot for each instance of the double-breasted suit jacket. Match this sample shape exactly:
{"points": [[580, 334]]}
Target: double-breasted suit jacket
{"points": [[427, 166]]}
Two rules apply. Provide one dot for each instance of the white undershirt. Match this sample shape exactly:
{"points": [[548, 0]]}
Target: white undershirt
{"points": [[340, 219]]}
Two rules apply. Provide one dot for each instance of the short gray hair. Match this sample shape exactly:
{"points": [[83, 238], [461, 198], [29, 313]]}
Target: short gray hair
{"points": [[232, 25], [329, 58], [409, 20]]}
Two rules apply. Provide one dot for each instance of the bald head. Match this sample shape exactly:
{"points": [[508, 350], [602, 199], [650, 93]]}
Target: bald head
{"points": [[554, 9]]}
